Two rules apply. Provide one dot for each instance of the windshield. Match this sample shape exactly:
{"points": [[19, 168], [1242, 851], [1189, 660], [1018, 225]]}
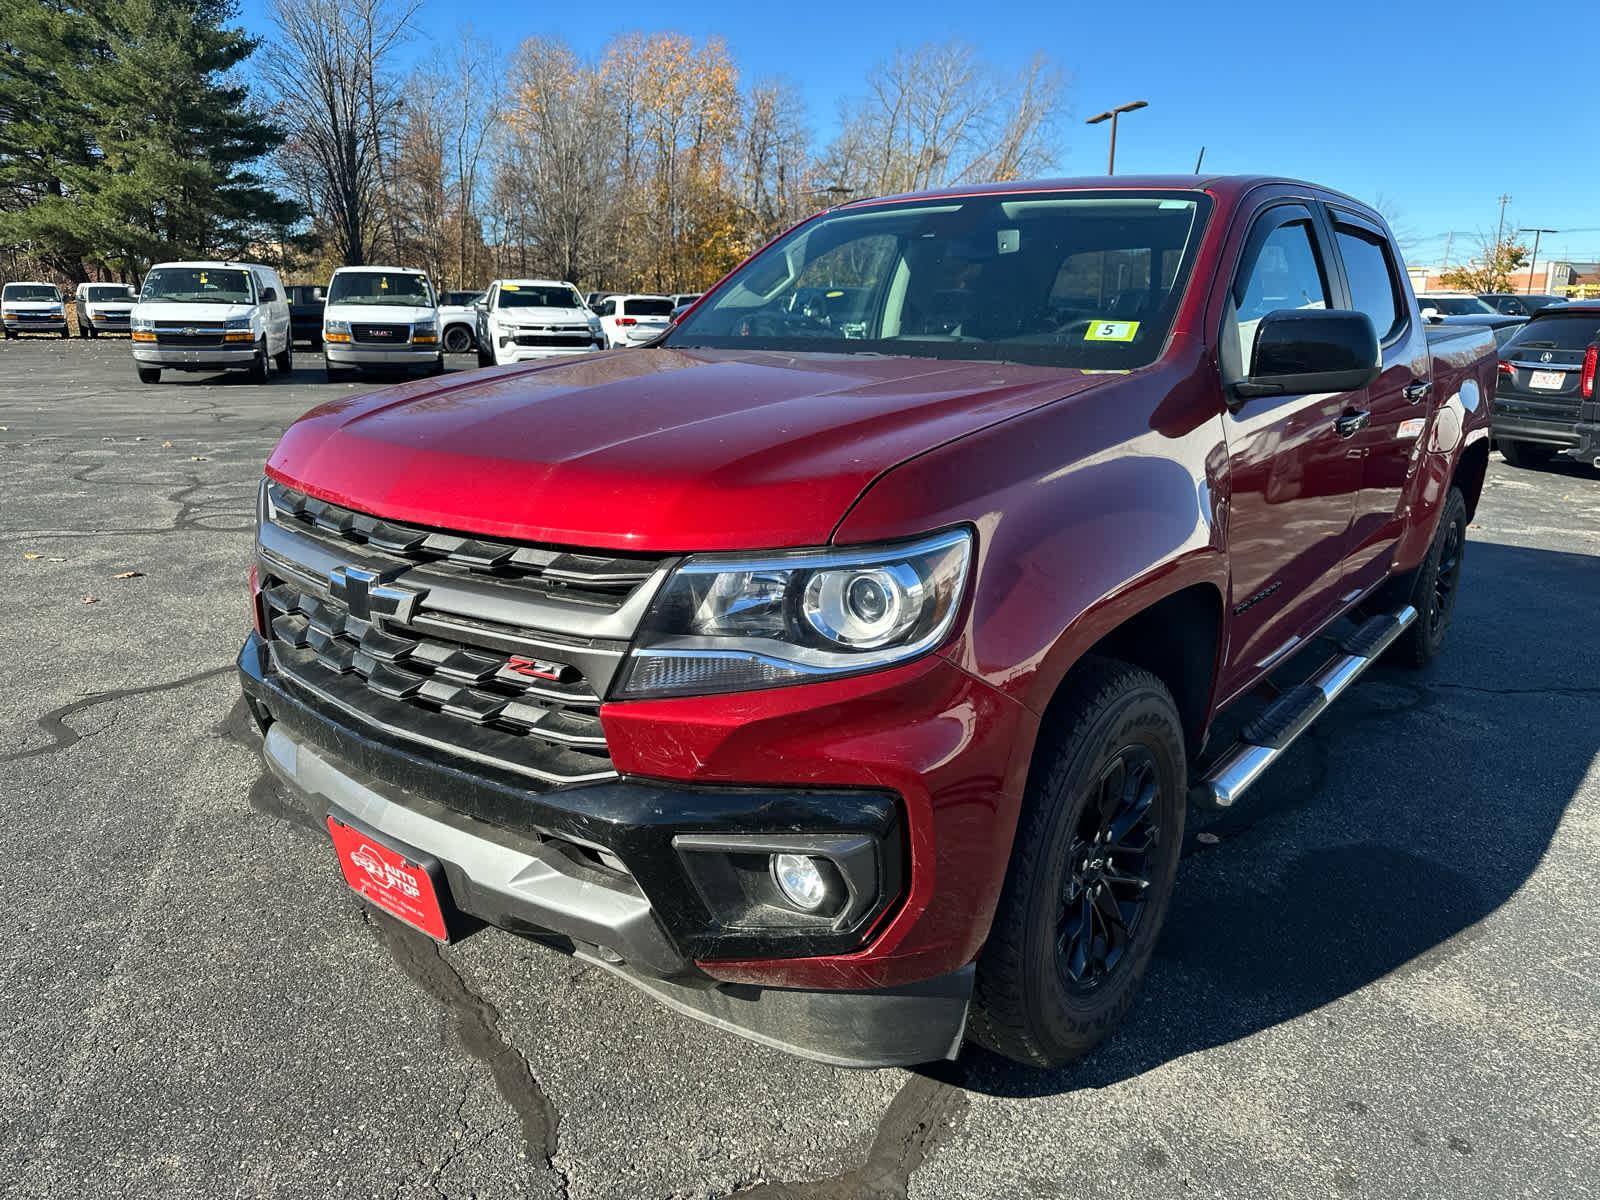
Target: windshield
{"points": [[1457, 306], [649, 306], [1084, 279], [30, 291], [528, 295], [380, 287], [198, 285], [1559, 331], [462, 299], [108, 292]]}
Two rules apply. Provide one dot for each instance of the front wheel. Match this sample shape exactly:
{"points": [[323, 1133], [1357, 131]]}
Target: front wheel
{"points": [[66, 332], [457, 340], [1437, 584], [149, 374], [285, 361], [1092, 869], [258, 365]]}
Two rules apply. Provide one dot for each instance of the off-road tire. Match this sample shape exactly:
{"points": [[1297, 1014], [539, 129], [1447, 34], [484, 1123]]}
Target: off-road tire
{"points": [[149, 374], [1021, 1006], [1526, 455], [1421, 643]]}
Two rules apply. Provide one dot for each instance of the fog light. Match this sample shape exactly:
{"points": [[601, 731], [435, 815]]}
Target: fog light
{"points": [[800, 880]]}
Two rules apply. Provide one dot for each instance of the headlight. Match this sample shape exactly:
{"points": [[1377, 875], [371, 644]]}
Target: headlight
{"points": [[425, 327], [143, 325], [336, 327], [726, 623], [237, 323]]}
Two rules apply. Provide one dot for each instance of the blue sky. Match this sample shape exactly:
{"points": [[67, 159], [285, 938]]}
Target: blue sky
{"points": [[1438, 107]]}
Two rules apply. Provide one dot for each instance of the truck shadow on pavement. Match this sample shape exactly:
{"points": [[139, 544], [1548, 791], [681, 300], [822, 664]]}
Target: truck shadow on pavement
{"points": [[1415, 809]]}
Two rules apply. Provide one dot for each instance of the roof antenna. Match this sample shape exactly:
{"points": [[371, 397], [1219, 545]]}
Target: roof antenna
{"points": [[1199, 160]]}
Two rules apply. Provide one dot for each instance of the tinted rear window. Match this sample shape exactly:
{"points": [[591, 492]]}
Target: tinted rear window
{"points": [[647, 308], [1566, 331]]}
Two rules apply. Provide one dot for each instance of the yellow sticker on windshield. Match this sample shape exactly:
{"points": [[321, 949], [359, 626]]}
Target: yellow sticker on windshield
{"points": [[383, 283], [508, 287], [202, 276], [834, 295], [1111, 331]]}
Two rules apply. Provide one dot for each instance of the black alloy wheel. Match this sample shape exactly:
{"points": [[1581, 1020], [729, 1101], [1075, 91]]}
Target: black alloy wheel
{"points": [[1110, 864], [1445, 578]]}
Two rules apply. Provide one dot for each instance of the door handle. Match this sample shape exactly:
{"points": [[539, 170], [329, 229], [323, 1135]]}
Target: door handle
{"points": [[1352, 423], [1417, 391]]}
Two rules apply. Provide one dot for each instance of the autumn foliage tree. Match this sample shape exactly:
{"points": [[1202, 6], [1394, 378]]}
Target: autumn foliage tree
{"points": [[1491, 271]]}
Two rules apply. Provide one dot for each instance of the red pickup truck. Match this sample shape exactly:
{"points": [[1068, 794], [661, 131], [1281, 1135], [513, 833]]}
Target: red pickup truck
{"points": [[838, 668]]}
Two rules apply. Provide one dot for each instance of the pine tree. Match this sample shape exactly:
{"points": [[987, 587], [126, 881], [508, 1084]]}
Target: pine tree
{"points": [[167, 137]]}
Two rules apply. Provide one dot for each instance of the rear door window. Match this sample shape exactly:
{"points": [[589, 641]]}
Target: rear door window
{"points": [[1372, 277]]}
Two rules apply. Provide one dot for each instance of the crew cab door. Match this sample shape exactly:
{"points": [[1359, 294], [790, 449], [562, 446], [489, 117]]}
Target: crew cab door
{"points": [[1293, 476], [1398, 402]]}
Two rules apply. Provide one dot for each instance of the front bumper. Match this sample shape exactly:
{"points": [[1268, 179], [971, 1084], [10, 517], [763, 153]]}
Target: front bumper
{"points": [[507, 854], [107, 322], [506, 355], [34, 324], [345, 354], [181, 359]]}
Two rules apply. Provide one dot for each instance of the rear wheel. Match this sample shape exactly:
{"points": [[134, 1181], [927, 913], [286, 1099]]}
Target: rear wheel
{"points": [[1092, 868], [149, 374], [1526, 454], [1437, 584]]}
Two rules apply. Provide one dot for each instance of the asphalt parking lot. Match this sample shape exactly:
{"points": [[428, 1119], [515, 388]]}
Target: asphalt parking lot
{"points": [[1381, 977]]}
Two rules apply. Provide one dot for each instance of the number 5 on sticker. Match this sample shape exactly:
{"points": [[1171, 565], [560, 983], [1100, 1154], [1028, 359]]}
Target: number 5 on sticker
{"points": [[1111, 331]]}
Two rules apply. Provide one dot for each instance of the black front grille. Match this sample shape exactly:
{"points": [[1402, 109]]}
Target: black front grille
{"points": [[381, 335], [195, 341], [556, 341], [495, 652]]}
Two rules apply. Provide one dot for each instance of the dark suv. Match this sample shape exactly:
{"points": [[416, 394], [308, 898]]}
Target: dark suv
{"points": [[1546, 382], [1518, 304]]}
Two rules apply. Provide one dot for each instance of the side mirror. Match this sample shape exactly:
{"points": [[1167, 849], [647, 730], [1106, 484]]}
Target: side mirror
{"points": [[268, 295], [1311, 350], [1430, 314]]}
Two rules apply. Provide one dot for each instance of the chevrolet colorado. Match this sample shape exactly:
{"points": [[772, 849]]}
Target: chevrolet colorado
{"points": [[839, 673]]}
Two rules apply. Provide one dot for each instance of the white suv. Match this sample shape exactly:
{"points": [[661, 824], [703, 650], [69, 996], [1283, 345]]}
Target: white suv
{"points": [[211, 316], [633, 320], [380, 317], [521, 319]]}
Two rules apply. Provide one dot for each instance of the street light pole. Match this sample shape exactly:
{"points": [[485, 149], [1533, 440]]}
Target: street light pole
{"points": [[1112, 115], [1533, 262]]}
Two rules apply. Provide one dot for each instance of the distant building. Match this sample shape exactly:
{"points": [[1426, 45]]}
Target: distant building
{"points": [[1546, 277]]}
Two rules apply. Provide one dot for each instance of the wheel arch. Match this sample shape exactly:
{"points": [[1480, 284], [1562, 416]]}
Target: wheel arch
{"points": [[1471, 470]]}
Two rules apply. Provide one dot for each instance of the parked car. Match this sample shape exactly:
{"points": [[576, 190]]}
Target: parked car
{"points": [[633, 320], [684, 299], [1546, 377], [104, 308], [594, 298], [458, 320], [523, 319], [844, 690], [1518, 304], [380, 318], [211, 316], [306, 303], [32, 307]]}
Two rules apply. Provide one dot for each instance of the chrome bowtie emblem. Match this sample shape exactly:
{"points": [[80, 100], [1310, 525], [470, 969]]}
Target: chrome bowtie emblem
{"points": [[190, 330], [369, 598]]}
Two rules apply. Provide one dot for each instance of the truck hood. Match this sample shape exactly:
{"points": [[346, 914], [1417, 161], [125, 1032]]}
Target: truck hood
{"points": [[541, 316], [33, 306], [379, 314], [650, 450], [190, 313]]}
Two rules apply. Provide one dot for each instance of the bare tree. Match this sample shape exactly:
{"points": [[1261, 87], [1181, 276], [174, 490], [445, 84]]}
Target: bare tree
{"points": [[1024, 146], [776, 179], [333, 67]]}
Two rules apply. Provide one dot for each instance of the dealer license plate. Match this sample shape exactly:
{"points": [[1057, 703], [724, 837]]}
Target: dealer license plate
{"points": [[1548, 381], [401, 883]]}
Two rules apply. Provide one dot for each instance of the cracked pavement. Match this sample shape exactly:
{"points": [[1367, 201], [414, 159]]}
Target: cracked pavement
{"points": [[1381, 975]]}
